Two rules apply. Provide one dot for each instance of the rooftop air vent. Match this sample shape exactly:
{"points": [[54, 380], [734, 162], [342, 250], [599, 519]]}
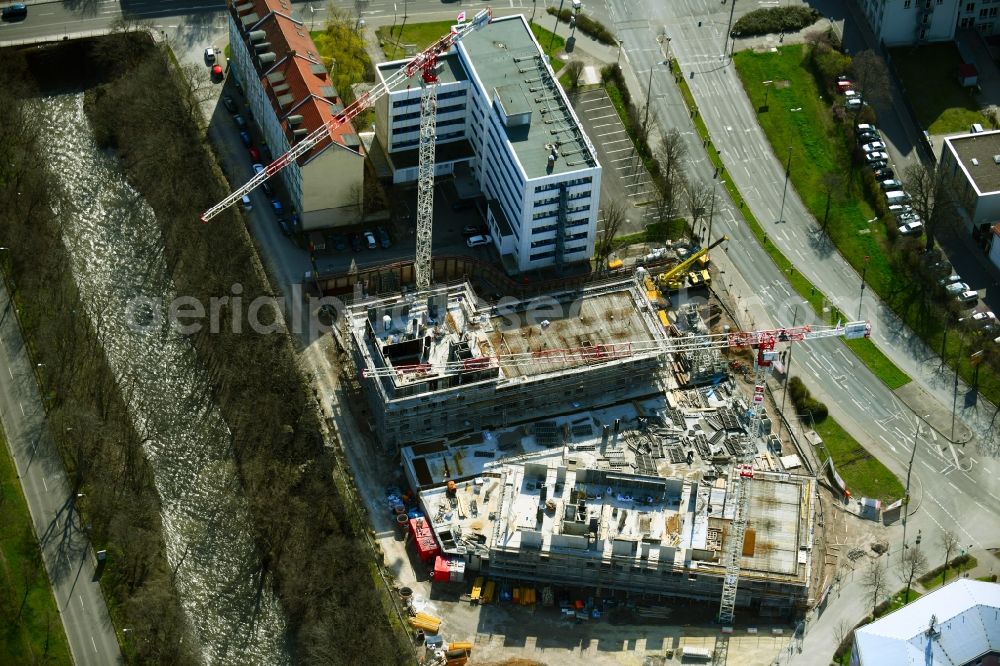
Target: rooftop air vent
{"points": [[975, 162], [257, 35], [295, 120], [300, 134], [266, 58]]}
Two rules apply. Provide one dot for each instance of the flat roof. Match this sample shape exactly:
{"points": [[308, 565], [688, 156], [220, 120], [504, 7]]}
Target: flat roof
{"points": [[979, 157], [601, 319], [449, 70], [505, 55]]}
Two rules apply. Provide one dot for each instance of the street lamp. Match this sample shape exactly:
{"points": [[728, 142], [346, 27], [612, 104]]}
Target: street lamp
{"points": [[788, 368], [909, 468], [767, 90], [711, 211], [861, 299], [788, 170], [619, 60]]}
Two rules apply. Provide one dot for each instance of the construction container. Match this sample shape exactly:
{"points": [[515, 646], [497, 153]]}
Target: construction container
{"points": [[423, 537], [488, 592], [461, 645]]}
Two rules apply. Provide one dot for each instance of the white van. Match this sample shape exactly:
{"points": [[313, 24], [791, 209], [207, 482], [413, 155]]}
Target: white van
{"points": [[897, 197]]}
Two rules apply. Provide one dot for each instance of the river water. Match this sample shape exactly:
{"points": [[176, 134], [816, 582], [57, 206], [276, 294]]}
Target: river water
{"points": [[114, 242]]}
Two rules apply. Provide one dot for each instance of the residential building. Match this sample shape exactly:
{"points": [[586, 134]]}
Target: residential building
{"points": [[955, 625], [900, 22], [585, 347], [973, 161], [607, 499], [994, 252], [504, 121], [290, 95]]}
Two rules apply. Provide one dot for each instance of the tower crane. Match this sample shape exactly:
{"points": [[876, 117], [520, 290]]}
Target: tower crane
{"points": [[424, 62], [762, 341]]}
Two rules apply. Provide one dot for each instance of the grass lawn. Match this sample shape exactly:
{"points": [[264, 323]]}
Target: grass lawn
{"points": [[422, 35], [37, 635], [897, 601], [933, 580], [929, 74], [864, 475], [879, 363], [821, 146]]}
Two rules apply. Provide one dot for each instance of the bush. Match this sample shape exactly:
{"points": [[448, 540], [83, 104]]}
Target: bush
{"points": [[804, 403], [586, 25], [775, 19]]}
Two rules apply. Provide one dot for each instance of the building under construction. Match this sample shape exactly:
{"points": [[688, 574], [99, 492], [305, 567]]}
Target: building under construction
{"points": [[634, 501], [518, 360]]}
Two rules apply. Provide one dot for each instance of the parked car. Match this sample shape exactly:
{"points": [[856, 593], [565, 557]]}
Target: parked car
{"points": [[245, 138], [370, 240], [891, 184], [254, 154], [969, 296], [948, 279], [240, 121], [873, 146], [283, 225], [216, 72], [882, 174], [356, 242], [477, 241], [876, 156], [247, 203], [257, 168], [912, 228], [279, 208], [230, 105], [867, 137], [900, 209], [475, 230], [854, 103], [383, 238], [956, 287], [986, 319], [338, 242], [861, 128], [878, 164]]}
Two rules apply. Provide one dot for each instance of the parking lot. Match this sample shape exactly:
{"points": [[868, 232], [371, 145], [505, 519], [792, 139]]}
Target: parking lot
{"points": [[624, 178]]}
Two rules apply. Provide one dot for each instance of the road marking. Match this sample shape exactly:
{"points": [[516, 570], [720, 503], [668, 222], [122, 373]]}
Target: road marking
{"points": [[22, 409], [974, 460], [80, 597], [605, 125], [887, 443], [92, 642], [980, 505], [617, 150], [994, 496], [925, 464], [953, 521], [947, 468], [608, 143], [957, 489], [610, 115], [45, 485], [10, 372]]}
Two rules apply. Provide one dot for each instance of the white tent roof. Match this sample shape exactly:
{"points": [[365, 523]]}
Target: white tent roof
{"points": [[967, 620]]}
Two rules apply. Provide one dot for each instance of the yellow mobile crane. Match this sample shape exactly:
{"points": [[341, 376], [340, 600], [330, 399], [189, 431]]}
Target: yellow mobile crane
{"points": [[673, 279]]}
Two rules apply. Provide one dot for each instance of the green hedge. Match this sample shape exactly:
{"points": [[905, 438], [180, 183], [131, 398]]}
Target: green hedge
{"points": [[586, 25], [775, 19], [804, 402]]}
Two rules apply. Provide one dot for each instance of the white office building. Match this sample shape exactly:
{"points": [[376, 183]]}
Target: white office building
{"points": [[504, 121], [973, 161], [907, 22]]}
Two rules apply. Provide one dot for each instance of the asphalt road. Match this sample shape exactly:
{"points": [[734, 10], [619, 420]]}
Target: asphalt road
{"points": [[66, 549]]}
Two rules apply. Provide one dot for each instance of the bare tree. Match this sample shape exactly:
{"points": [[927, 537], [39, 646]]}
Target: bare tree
{"points": [[832, 184], [913, 565], [670, 155], [874, 581], [841, 630], [614, 217], [949, 543], [933, 198], [573, 71], [697, 197], [871, 77]]}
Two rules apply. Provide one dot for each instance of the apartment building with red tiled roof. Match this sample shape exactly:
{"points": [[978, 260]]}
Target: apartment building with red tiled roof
{"points": [[290, 95]]}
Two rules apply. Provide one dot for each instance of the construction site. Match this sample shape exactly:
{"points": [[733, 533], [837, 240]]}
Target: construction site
{"points": [[585, 450]]}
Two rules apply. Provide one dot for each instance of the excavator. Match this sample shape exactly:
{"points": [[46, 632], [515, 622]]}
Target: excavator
{"points": [[673, 279]]}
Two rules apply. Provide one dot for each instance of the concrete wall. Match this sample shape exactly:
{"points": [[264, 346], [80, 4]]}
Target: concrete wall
{"points": [[332, 183], [994, 254]]}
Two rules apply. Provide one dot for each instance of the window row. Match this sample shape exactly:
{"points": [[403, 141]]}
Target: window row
{"points": [[416, 100], [567, 183]]}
